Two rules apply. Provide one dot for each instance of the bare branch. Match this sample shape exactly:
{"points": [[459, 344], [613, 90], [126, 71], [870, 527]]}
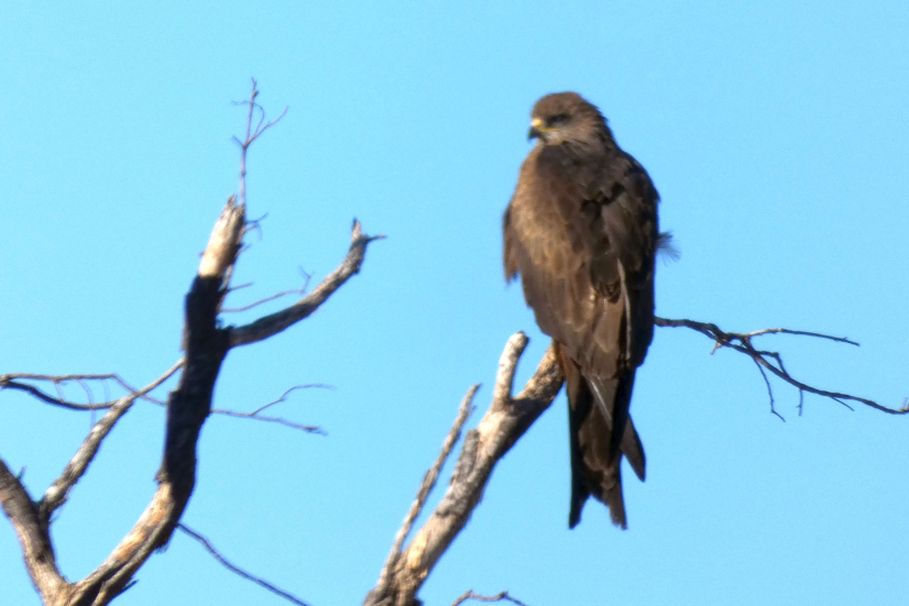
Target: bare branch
{"points": [[21, 381], [429, 482], [252, 133], [257, 415], [224, 242], [769, 391], [237, 570], [6, 382], [287, 392], [56, 494], [262, 301], [506, 420], [279, 295], [508, 365], [187, 408], [772, 361], [272, 324], [33, 536], [89, 396], [31, 376], [267, 419], [803, 333], [499, 597]]}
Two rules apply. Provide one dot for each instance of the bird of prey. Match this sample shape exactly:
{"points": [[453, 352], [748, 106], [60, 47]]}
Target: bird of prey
{"points": [[581, 230]]}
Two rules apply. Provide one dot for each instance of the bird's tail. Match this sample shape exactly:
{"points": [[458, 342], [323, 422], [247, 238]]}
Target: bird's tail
{"points": [[600, 432]]}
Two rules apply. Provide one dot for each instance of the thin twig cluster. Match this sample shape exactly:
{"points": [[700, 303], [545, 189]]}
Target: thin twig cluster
{"points": [[772, 361]]}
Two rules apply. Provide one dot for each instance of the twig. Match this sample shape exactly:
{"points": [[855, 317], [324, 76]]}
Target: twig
{"points": [[257, 415], [284, 293], [237, 570], [6, 383], [283, 396], [252, 133], [803, 333], [499, 597], [20, 381], [769, 391], [268, 299], [266, 419], [272, 324], [772, 361], [143, 394]]}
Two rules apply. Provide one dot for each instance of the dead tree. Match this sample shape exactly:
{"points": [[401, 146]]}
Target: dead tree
{"points": [[506, 420], [206, 345]]}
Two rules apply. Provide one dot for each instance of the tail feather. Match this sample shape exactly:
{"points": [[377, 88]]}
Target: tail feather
{"points": [[596, 450], [613, 398], [634, 450]]}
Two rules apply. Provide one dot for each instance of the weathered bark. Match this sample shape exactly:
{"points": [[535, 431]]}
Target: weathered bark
{"points": [[506, 420]]}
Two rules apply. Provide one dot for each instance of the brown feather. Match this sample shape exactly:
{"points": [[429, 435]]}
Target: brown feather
{"points": [[581, 230]]}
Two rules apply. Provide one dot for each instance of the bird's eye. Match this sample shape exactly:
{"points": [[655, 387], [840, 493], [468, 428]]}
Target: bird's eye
{"points": [[557, 119]]}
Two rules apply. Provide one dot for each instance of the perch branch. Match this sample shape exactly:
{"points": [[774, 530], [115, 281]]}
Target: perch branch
{"points": [[506, 420], [429, 482]]}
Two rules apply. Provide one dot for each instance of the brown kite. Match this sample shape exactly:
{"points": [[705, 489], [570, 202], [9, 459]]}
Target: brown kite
{"points": [[581, 229]]}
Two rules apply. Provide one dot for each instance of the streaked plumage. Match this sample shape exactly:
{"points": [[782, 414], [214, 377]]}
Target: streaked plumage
{"points": [[581, 230]]}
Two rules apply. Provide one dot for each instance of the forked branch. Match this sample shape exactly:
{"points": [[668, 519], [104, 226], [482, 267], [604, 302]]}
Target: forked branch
{"points": [[272, 324], [30, 383], [506, 420], [772, 361], [56, 494], [188, 406], [256, 125], [508, 417]]}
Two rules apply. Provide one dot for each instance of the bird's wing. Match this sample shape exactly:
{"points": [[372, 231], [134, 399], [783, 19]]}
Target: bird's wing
{"points": [[582, 239], [623, 204]]}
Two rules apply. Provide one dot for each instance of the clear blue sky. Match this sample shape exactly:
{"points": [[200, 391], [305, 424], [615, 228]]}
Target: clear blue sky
{"points": [[776, 134]]}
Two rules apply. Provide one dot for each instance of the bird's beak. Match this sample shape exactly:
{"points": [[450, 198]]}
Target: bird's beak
{"points": [[536, 129]]}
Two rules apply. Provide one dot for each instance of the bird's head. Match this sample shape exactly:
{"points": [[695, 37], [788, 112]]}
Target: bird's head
{"points": [[566, 118]]}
